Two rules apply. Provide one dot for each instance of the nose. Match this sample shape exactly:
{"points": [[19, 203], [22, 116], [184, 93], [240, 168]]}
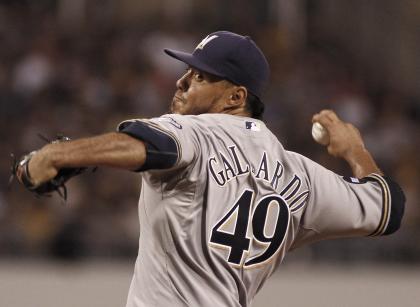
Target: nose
{"points": [[183, 83]]}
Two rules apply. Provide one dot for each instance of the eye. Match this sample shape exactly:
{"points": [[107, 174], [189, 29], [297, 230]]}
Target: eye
{"points": [[198, 76]]}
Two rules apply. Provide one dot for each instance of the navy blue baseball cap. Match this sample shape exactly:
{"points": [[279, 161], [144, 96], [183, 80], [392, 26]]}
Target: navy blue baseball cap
{"points": [[229, 56]]}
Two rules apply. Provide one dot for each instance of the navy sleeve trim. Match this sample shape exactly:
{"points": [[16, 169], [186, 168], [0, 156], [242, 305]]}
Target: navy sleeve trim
{"points": [[162, 148], [392, 206], [397, 206]]}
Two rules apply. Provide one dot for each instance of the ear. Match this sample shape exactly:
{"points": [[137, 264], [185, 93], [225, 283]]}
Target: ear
{"points": [[238, 96]]}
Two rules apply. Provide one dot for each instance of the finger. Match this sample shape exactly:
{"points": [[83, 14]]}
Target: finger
{"points": [[327, 118], [19, 172], [324, 113], [324, 120], [330, 113]]}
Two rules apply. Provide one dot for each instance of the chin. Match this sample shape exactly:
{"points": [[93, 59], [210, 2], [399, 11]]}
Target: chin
{"points": [[176, 108], [177, 111]]}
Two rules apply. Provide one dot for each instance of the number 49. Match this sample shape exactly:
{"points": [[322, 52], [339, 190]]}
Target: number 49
{"points": [[238, 242]]}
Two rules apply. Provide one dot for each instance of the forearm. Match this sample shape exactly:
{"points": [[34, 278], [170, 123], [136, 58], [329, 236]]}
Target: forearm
{"points": [[346, 142], [112, 149], [362, 163]]}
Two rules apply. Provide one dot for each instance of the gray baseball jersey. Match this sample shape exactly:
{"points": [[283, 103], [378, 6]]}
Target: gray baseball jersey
{"points": [[216, 225]]}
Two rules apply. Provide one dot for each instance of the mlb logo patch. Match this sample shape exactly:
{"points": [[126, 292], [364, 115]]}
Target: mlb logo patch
{"points": [[354, 180], [253, 126]]}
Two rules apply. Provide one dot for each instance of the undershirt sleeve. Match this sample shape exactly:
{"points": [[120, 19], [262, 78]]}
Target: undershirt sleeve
{"points": [[169, 139]]}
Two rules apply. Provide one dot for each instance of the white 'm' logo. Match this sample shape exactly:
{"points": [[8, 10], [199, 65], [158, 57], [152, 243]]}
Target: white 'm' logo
{"points": [[205, 41]]}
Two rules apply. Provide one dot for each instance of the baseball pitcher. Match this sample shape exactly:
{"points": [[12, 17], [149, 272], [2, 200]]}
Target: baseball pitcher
{"points": [[221, 200]]}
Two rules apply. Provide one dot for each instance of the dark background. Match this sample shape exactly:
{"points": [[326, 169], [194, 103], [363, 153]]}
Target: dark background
{"points": [[80, 67]]}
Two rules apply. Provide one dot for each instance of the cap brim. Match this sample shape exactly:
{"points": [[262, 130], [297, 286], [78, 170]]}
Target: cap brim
{"points": [[192, 61]]}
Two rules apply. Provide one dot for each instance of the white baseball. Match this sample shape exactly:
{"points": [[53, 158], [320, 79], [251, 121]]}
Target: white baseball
{"points": [[320, 134]]}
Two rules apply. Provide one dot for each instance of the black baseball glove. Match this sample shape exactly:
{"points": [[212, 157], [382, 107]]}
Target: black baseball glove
{"points": [[57, 184]]}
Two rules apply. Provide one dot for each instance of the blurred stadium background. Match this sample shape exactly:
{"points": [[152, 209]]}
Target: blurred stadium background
{"points": [[79, 67]]}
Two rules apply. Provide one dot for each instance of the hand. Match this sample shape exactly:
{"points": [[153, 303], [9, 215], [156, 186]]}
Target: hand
{"points": [[347, 143], [345, 139], [40, 168]]}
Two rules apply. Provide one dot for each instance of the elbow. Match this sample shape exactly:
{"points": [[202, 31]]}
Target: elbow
{"points": [[162, 149], [397, 207]]}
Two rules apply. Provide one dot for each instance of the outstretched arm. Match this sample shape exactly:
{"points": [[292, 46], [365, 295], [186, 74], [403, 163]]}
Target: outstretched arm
{"points": [[114, 149], [347, 143], [339, 207]]}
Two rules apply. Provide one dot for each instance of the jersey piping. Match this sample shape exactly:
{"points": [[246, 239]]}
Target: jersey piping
{"points": [[386, 204]]}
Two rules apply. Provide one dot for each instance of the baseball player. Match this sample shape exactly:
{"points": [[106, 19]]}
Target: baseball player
{"points": [[221, 200]]}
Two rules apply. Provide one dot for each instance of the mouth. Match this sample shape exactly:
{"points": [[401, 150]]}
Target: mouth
{"points": [[176, 97], [177, 101]]}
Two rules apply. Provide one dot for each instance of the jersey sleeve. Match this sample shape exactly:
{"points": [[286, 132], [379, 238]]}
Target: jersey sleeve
{"points": [[170, 140], [349, 207]]}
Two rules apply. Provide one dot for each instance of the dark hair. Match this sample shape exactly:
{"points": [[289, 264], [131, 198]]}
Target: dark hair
{"points": [[254, 106]]}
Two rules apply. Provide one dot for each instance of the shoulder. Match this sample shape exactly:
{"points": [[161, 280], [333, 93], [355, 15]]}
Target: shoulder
{"points": [[302, 164], [203, 122], [167, 120], [180, 121]]}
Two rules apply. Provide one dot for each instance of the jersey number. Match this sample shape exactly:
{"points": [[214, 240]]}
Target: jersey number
{"points": [[238, 242]]}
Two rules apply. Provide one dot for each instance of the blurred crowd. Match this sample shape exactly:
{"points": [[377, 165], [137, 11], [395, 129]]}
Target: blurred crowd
{"points": [[81, 75]]}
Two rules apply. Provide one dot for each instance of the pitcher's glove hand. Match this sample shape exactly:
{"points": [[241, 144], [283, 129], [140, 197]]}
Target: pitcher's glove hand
{"points": [[57, 184]]}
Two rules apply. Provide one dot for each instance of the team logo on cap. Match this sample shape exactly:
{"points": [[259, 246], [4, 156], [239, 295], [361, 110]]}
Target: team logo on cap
{"points": [[205, 41]]}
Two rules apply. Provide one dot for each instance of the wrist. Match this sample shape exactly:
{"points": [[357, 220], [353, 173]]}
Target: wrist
{"points": [[353, 154], [49, 156], [362, 163]]}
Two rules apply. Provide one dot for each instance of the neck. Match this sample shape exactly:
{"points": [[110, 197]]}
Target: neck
{"points": [[236, 112]]}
